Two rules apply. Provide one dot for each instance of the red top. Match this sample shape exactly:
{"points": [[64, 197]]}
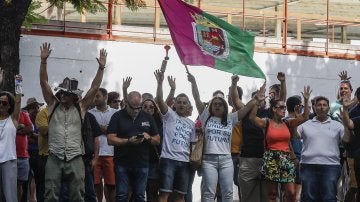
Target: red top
{"points": [[22, 139], [278, 138]]}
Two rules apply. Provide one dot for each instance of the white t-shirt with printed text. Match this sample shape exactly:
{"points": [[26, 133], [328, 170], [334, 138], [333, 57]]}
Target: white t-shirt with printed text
{"points": [[178, 133], [217, 136]]}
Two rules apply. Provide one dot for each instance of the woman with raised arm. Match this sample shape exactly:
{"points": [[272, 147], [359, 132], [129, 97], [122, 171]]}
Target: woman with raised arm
{"points": [[217, 165], [9, 116], [278, 158]]}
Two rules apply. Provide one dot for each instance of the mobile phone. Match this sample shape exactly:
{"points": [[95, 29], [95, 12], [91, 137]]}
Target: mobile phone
{"points": [[139, 136]]}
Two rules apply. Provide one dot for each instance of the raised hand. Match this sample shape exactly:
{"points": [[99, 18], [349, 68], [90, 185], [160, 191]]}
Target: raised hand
{"points": [[307, 92], [343, 75], [102, 58], [159, 75], [126, 82], [171, 81], [45, 51], [281, 76], [191, 78], [260, 95], [234, 79]]}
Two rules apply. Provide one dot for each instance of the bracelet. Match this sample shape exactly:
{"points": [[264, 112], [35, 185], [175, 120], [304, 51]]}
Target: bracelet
{"points": [[101, 67], [44, 63], [128, 141]]}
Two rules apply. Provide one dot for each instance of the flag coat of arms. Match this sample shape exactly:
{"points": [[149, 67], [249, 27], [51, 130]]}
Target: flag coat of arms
{"points": [[202, 39]]}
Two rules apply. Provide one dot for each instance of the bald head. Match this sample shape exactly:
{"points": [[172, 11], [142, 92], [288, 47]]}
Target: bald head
{"points": [[133, 103], [134, 96]]}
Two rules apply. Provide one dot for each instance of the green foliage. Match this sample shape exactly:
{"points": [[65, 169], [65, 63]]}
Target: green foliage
{"points": [[33, 17], [81, 6], [134, 5]]}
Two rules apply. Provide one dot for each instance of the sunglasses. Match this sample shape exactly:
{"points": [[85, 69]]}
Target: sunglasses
{"points": [[134, 108], [4, 103], [65, 93]]}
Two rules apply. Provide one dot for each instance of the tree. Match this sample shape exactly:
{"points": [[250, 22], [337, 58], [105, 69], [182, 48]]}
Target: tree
{"points": [[12, 17]]}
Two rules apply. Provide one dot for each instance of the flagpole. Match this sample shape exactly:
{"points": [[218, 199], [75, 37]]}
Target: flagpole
{"points": [[187, 70]]}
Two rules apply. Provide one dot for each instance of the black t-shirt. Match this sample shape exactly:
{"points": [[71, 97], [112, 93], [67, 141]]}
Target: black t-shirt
{"points": [[92, 130], [353, 147], [253, 137], [125, 127]]}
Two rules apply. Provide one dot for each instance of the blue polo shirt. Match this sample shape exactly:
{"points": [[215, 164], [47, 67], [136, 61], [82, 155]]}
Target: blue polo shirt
{"points": [[124, 126]]}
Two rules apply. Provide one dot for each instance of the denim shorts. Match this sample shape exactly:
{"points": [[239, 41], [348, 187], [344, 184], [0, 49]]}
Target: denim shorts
{"points": [[23, 168], [174, 175]]}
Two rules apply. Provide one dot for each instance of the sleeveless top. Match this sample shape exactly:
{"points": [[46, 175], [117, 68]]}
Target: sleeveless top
{"points": [[277, 138], [7, 140], [65, 140]]}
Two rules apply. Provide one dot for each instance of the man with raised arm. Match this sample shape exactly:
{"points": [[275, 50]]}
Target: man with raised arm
{"points": [[178, 133], [66, 147]]}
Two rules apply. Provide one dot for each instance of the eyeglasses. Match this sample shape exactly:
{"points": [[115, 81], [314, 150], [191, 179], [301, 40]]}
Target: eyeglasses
{"points": [[115, 101], [4, 103], [282, 107]]}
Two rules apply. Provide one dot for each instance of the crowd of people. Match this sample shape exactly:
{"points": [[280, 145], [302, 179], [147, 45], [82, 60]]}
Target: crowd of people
{"points": [[85, 147]]}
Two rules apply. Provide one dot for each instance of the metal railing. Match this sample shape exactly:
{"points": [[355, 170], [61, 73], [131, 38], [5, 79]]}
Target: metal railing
{"points": [[276, 32]]}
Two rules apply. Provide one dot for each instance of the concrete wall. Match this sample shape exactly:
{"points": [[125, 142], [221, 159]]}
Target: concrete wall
{"points": [[75, 58]]}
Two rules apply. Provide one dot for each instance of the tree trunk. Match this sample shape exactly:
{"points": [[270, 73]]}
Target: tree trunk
{"points": [[12, 16]]}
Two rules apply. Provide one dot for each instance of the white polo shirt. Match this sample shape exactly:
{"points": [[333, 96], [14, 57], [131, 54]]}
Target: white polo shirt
{"points": [[321, 141], [103, 118]]}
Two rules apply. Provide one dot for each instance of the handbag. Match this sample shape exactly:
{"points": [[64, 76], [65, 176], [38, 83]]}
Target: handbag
{"points": [[197, 153]]}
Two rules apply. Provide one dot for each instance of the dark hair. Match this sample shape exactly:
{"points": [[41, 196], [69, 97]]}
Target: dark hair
{"points": [[217, 92], [112, 96], [276, 87], [292, 102], [103, 91], [357, 93], [11, 100], [273, 104], [182, 95], [157, 116], [347, 82], [147, 95], [226, 110], [319, 98]]}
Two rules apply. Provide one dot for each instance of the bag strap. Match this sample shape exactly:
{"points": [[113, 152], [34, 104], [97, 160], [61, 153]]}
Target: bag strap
{"points": [[265, 132]]}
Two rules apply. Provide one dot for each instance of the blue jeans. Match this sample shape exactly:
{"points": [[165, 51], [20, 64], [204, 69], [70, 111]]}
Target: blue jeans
{"points": [[319, 182], [133, 177], [90, 195], [189, 195], [174, 175], [217, 168]]}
